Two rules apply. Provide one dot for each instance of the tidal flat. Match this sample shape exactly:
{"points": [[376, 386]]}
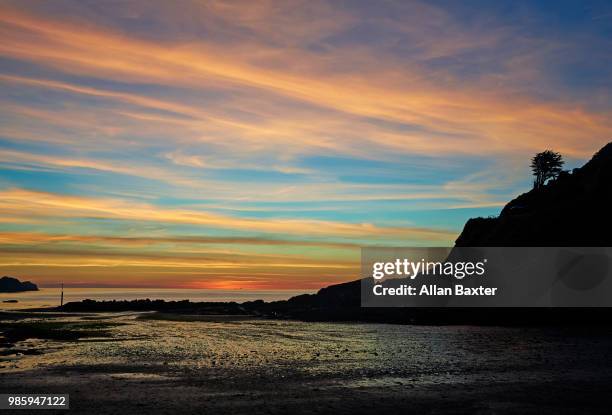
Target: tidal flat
{"points": [[132, 363]]}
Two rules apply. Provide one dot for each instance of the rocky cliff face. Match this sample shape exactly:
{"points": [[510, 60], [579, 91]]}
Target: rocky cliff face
{"points": [[13, 285], [573, 210]]}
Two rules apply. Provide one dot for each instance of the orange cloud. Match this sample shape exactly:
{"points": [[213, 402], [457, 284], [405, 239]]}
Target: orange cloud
{"points": [[501, 122], [16, 238]]}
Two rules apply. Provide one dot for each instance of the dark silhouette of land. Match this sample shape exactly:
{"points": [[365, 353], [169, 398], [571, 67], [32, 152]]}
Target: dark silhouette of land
{"points": [[571, 210], [13, 285]]}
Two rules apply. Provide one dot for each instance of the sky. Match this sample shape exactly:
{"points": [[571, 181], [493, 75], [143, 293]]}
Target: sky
{"points": [[260, 144]]}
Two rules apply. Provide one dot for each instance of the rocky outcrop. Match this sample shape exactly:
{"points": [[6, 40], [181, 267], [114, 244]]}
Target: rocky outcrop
{"points": [[572, 210], [13, 285]]}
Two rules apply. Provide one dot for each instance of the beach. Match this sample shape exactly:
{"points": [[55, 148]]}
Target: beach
{"points": [[134, 362]]}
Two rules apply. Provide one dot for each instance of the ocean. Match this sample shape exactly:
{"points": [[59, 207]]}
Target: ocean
{"points": [[49, 297]]}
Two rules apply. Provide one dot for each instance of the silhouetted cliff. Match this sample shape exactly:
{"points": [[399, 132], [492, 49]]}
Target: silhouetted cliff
{"points": [[13, 285], [573, 210]]}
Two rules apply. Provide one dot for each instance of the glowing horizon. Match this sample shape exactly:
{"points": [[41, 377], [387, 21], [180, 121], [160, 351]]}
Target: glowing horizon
{"points": [[259, 145]]}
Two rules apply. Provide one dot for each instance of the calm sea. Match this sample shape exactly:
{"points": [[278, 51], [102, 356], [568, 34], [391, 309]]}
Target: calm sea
{"points": [[48, 297]]}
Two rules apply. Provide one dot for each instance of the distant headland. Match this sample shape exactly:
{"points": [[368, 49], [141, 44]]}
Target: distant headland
{"points": [[13, 285]]}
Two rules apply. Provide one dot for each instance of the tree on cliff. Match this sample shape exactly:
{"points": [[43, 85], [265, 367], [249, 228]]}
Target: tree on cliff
{"points": [[546, 165]]}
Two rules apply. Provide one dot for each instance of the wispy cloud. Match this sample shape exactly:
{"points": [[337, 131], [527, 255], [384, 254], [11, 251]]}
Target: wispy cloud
{"points": [[454, 118], [24, 203]]}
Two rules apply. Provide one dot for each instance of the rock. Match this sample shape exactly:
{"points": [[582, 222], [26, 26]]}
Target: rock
{"points": [[13, 285]]}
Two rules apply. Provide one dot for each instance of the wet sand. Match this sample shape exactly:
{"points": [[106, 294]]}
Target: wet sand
{"points": [[144, 362]]}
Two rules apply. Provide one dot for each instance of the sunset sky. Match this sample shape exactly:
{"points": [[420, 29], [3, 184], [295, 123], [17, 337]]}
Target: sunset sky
{"points": [[256, 145]]}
